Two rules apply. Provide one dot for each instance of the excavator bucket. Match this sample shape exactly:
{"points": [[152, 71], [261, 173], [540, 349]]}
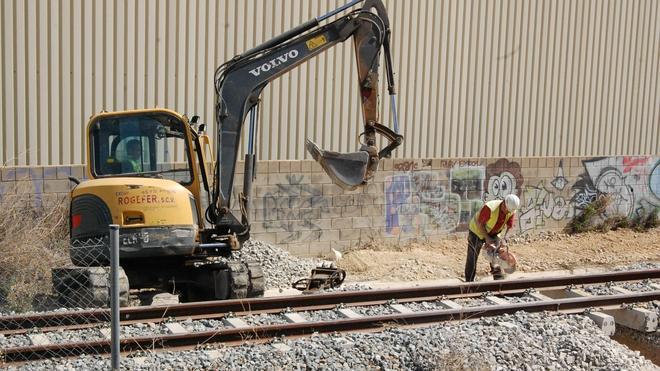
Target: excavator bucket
{"points": [[347, 170]]}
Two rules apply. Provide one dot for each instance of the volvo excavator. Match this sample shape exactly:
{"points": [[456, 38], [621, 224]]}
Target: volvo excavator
{"points": [[177, 228]]}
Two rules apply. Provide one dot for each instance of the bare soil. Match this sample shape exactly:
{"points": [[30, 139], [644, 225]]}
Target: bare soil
{"points": [[555, 251]]}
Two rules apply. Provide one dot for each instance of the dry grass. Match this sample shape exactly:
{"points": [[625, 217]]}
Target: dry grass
{"points": [[32, 241]]}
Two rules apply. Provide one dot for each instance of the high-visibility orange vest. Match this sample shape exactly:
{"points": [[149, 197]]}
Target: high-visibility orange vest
{"points": [[494, 207]]}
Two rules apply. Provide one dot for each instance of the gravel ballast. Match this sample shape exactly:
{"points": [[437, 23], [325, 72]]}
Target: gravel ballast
{"points": [[525, 341], [520, 341]]}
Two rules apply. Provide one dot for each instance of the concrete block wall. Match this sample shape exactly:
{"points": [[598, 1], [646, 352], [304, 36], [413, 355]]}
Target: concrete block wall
{"points": [[41, 186], [296, 206]]}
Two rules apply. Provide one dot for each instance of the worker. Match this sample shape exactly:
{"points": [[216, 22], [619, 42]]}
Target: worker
{"points": [[134, 156], [486, 227]]}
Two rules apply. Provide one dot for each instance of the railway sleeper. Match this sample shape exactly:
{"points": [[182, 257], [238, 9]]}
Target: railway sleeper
{"points": [[495, 300], [449, 304], [636, 318], [294, 318], [605, 322], [348, 313]]}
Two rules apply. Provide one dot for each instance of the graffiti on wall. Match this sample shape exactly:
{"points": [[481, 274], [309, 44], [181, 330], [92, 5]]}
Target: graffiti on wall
{"points": [[422, 201], [654, 180], [291, 209], [398, 204], [503, 178], [542, 202], [447, 199], [419, 199], [545, 201], [467, 184], [628, 181]]}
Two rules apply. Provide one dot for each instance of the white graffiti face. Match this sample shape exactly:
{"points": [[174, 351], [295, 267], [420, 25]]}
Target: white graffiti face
{"points": [[611, 182], [499, 186]]}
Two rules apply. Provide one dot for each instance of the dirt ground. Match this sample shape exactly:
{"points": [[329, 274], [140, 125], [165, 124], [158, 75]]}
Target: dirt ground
{"points": [[554, 251]]}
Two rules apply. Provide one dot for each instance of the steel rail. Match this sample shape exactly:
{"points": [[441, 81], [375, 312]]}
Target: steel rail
{"points": [[215, 309], [262, 333]]}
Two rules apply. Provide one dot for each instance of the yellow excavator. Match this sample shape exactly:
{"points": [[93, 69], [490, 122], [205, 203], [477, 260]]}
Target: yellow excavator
{"points": [[154, 173]]}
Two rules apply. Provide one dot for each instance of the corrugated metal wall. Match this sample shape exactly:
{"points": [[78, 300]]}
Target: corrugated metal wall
{"points": [[476, 78]]}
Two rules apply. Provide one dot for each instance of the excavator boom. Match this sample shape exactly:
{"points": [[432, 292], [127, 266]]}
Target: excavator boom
{"points": [[239, 84]]}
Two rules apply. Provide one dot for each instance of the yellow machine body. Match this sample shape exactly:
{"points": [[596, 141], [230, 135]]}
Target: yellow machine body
{"points": [[194, 186], [143, 202], [157, 217]]}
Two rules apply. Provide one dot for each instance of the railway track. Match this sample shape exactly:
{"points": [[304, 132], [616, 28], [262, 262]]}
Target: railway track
{"points": [[296, 308]]}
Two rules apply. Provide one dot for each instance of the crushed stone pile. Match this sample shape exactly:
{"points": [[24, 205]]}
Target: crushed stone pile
{"points": [[280, 268], [523, 341]]}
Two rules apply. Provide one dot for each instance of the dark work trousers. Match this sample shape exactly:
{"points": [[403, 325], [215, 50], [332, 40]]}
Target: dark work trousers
{"points": [[473, 250]]}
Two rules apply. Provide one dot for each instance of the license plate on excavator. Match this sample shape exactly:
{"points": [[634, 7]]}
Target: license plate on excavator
{"points": [[134, 239]]}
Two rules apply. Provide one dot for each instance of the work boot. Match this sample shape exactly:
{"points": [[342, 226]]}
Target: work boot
{"points": [[497, 273]]}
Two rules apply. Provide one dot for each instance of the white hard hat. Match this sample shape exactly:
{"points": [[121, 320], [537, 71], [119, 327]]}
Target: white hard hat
{"points": [[512, 202]]}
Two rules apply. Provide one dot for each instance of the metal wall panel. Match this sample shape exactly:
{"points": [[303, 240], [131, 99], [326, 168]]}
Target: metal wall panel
{"points": [[475, 78]]}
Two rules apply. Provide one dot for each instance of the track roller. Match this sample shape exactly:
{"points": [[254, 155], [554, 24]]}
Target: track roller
{"points": [[257, 280], [87, 287], [239, 280], [247, 280]]}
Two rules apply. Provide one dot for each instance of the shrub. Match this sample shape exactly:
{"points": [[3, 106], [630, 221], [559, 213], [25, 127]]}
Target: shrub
{"points": [[613, 223], [646, 221], [586, 220]]}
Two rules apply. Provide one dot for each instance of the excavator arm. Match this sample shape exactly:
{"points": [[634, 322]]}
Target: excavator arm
{"points": [[240, 81]]}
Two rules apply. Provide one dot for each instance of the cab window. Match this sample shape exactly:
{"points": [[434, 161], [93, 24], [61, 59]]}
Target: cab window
{"points": [[147, 144]]}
